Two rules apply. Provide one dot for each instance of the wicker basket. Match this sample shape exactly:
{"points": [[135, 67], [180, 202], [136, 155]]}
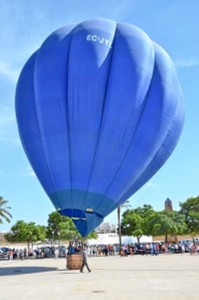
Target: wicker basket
{"points": [[74, 261]]}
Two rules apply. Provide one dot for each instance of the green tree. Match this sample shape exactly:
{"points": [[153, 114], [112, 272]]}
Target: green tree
{"points": [[190, 210], [92, 235], [166, 222], [26, 232], [63, 227], [134, 221], [4, 213]]}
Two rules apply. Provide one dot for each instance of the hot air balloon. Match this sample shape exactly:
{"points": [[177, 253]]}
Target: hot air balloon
{"points": [[99, 110]]}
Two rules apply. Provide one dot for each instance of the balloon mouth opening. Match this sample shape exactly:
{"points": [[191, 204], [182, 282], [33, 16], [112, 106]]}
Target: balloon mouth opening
{"points": [[86, 209], [85, 220]]}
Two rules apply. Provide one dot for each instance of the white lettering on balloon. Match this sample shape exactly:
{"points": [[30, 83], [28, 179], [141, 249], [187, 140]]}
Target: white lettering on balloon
{"points": [[101, 40]]}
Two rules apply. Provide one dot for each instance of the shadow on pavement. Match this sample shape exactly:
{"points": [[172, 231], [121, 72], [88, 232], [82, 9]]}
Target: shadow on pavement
{"points": [[24, 270]]}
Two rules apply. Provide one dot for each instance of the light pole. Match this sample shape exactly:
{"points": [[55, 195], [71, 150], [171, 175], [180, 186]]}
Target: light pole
{"points": [[119, 228], [119, 223], [53, 236], [59, 240]]}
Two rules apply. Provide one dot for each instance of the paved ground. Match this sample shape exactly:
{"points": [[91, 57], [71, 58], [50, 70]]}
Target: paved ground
{"points": [[136, 277]]}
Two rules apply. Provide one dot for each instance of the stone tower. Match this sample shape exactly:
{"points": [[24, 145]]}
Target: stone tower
{"points": [[170, 238], [168, 205]]}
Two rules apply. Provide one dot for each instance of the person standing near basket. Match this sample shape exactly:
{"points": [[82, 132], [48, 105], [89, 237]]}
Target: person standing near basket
{"points": [[84, 261]]}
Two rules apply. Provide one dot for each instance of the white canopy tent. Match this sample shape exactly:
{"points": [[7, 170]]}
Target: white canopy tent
{"points": [[113, 238]]}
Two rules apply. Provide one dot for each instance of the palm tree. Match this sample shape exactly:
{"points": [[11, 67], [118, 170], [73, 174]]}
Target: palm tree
{"points": [[4, 213]]}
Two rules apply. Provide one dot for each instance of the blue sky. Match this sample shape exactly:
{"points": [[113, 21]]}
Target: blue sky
{"points": [[25, 24]]}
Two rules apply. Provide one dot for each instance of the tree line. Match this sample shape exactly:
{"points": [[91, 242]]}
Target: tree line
{"points": [[59, 228], [146, 221], [135, 222]]}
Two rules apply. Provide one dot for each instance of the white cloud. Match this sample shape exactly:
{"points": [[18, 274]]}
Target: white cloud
{"points": [[120, 11], [8, 127], [9, 71], [151, 184], [4, 122], [29, 173], [7, 116], [187, 62]]}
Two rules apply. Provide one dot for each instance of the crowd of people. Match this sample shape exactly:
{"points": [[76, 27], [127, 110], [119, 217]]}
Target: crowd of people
{"points": [[38, 252], [154, 248], [161, 248], [146, 249]]}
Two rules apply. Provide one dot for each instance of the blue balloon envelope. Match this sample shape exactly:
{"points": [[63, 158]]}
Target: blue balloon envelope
{"points": [[99, 110]]}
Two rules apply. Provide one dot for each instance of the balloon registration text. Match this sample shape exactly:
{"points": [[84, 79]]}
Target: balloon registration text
{"points": [[101, 40]]}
